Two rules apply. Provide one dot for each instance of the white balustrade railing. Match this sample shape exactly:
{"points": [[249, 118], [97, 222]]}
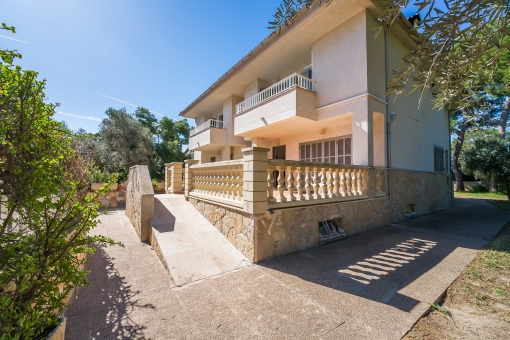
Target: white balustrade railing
{"points": [[220, 181], [206, 125], [289, 181], [294, 80]]}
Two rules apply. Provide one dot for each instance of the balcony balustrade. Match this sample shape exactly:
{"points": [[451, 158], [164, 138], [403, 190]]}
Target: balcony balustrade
{"points": [[206, 125], [274, 184], [221, 182], [292, 81]]}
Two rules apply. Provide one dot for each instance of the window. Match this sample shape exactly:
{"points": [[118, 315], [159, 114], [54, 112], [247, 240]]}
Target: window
{"points": [[336, 150], [213, 159], [330, 231], [410, 210], [220, 123], [439, 159], [307, 72]]}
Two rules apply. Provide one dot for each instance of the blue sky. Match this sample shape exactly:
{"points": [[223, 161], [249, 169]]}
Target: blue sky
{"points": [[156, 54]]}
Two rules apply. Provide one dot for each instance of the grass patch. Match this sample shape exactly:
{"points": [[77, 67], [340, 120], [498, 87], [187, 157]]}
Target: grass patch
{"points": [[440, 309], [498, 199], [482, 195]]}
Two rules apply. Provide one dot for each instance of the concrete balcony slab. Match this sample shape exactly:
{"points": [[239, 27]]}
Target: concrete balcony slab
{"points": [[289, 111], [208, 139]]}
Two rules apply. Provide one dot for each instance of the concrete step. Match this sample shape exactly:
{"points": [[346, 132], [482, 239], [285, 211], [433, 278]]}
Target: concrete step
{"points": [[188, 245]]}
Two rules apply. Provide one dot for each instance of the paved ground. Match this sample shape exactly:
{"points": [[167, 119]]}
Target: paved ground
{"points": [[371, 286], [191, 247]]}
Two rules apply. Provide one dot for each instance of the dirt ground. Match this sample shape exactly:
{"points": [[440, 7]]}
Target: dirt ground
{"points": [[477, 304]]}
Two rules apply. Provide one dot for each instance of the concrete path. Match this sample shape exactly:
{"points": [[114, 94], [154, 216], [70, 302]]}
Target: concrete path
{"points": [[371, 286], [190, 247]]}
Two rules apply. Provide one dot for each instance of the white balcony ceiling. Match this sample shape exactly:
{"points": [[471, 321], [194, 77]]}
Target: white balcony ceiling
{"points": [[294, 126]]}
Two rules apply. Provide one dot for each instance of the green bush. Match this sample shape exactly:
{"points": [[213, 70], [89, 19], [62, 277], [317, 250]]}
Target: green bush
{"points": [[154, 184], [488, 156], [478, 188], [46, 213]]}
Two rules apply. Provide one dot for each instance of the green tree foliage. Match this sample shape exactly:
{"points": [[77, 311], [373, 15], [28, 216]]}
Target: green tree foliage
{"points": [[46, 216], [123, 141], [458, 49], [85, 145], [487, 156], [8, 56], [500, 89], [481, 116], [174, 136], [175, 131], [147, 119]]}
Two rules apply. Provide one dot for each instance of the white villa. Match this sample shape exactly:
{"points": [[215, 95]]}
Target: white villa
{"points": [[298, 143]]}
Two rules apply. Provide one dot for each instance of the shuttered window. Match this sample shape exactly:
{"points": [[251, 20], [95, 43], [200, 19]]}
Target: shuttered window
{"points": [[439, 159], [336, 150]]}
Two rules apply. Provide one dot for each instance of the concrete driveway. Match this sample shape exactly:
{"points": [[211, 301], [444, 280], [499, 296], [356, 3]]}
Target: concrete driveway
{"points": [[371, 286]]}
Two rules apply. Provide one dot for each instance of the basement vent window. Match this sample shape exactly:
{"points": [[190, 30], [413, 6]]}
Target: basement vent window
{"points": [[330, 231], [410, 210]]}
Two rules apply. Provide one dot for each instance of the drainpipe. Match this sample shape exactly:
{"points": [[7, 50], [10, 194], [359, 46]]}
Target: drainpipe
{"points": [[388, 120]]}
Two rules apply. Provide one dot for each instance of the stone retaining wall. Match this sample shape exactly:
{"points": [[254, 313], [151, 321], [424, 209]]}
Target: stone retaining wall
{"points": [[140, 200], [427, 191], [284, 231], [236, 225], [289, 230]]}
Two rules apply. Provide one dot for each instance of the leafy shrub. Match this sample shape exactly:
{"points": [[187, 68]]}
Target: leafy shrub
{"points": [[96, 175], [478, 188], [46, 214], [488, 155]]}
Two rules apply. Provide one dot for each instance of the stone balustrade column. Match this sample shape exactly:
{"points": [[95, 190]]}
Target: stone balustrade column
{"points": [[188, 176], [376, 178], [176, 178], [255, 180], [168, 177]]}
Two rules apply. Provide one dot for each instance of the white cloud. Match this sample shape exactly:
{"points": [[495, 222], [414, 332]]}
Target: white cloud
{"points": [[82, 117], [159, 114], [3, 36]]}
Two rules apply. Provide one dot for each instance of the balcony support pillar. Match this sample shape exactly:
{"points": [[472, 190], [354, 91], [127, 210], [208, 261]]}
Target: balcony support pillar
{"points": [[255, 180], [362, 137]]}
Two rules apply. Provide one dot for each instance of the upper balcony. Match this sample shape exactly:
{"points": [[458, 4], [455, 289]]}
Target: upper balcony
{"points": [[281, 107], [208, 135]]}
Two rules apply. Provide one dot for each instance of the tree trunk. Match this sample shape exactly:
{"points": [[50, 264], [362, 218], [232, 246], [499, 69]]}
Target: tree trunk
{"points": [[456, 153], [493, 183], [504, 118]]}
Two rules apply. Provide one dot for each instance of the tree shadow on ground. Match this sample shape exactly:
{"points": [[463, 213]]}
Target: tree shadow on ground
{"points": [[378, 264], [111, 301], [500, 203]]}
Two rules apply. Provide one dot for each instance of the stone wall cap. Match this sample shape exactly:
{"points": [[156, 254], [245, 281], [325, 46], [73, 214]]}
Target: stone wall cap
{"points": [[144, 179]]}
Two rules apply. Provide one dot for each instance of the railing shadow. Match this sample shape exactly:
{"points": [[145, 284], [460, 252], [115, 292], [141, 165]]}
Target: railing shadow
{"points": [[103, 309], [375, 265]]}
